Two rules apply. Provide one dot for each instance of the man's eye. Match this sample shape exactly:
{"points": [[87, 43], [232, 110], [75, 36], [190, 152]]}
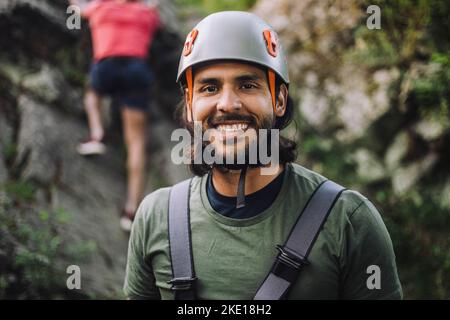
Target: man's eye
{"points": [[248, 86], [210, 89]]}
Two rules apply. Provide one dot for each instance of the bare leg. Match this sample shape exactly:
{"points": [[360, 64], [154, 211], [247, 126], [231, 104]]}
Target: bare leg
{"points": [[92, 103], [134, 127]]}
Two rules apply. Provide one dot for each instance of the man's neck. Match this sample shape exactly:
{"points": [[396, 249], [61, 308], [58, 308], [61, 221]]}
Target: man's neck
{"points": [[226, 182]]}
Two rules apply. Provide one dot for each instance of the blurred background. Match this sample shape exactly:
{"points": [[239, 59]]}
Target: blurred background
{"points": [[372, 113]]}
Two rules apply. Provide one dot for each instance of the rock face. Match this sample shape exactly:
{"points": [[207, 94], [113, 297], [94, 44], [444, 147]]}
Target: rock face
{"points": [[42, 119], [3, 171], [5, 132], [89, 189]]}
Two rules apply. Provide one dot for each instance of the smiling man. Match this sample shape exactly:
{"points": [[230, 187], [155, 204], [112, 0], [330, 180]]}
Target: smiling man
{"points": [[235, 230]]}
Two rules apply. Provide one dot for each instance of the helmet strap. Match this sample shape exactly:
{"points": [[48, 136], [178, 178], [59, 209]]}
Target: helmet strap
{"points": [[240, 196], [190, 88], [271, 76]]}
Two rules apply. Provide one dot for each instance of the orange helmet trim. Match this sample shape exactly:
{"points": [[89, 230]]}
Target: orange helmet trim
{"points": [[271, 76], [190, 86]]}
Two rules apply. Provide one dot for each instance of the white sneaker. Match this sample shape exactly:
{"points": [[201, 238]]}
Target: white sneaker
{"points": [[91, 147], [126, 223]]}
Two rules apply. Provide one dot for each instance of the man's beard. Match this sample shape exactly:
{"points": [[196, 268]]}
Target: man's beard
{"points": [[247, 160]]}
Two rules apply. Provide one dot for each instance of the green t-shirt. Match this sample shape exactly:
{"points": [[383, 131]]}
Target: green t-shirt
{"points": [[233, 256]]}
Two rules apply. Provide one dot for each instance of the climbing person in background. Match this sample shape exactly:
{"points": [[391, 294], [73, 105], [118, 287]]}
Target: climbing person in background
{"points": [[122, 32]]}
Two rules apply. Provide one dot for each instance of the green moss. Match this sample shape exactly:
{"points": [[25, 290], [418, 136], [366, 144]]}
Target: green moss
{"points": [[218, 5], [9, 151], [205, 7], [72, 71], [20, 190]]}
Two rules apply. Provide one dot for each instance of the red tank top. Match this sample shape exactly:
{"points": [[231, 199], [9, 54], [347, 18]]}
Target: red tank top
{"points": [[121, 29]]}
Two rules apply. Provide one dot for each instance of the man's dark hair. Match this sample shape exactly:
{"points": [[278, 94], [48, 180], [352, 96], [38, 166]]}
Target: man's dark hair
{"points": [[287, 147]]}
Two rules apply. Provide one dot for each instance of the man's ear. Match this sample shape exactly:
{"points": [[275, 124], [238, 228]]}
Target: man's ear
{"points": [[280, 107], [188, 105]]}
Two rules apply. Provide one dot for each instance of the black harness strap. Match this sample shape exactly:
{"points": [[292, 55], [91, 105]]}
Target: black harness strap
{"points": [[293, 255], [183, 274]]}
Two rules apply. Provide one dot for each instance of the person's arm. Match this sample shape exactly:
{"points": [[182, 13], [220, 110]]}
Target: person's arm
{"points": [[368, 266]]}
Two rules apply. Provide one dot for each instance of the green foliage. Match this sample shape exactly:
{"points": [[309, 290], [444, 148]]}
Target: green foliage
{"points": [[419, 230], [62, 216], [432, 91], [192, 10], [70, 67], [9, 151], [326, 156], [410, 29], [20, 190], [439, 24], [82, 250], [373, 49], [210, 6], [31, 267], [404, 21]]}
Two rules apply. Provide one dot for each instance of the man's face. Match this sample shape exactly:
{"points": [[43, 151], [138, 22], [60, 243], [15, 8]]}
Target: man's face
{"points": [[232, 101]]}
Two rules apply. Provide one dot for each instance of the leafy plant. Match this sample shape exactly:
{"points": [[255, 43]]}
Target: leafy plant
{"points": [[32, 247]]}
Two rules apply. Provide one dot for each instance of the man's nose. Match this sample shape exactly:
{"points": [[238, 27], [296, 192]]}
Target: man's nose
{"points": [[229, 101]]}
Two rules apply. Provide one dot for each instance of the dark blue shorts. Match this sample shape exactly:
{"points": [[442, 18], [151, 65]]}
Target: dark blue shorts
{"points": [[125, 78]]}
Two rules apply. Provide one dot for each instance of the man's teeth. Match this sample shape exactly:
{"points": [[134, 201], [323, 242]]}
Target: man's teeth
{"points": [[233, 127]]}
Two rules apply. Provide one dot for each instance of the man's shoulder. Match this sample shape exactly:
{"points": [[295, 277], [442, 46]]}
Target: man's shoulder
{"points": [[306, 174], [349, 202], [156, 202], [354, 210], [156, 198]]}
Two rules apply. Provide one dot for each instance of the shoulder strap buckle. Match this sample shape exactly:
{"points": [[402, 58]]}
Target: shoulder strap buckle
{"points": [[182, 284], [288, 264], [291, 258]]}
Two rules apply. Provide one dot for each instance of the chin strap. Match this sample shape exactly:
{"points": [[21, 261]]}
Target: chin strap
{"points": [[240, 199]]}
